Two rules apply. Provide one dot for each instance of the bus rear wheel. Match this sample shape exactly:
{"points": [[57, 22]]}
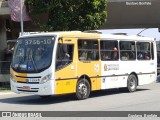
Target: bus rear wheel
{"points": [[83, 89], [132, 83]]}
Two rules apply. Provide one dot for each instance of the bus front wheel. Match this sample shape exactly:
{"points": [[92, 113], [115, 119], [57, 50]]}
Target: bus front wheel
{"points": [[83, 89], [132, 83], [45, 96]]}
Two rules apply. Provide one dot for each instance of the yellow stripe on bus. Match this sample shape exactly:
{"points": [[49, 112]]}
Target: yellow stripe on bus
{"points": [[20, 78]]}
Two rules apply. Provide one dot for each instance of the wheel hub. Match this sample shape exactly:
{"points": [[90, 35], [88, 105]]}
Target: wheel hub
{"points": [[82, 89], [132, 84]]}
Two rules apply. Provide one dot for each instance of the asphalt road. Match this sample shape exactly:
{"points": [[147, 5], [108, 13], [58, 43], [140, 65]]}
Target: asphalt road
{"points": [[146, 98]]}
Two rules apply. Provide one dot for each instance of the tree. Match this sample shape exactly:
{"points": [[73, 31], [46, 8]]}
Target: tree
{"points": [[66, 15]]}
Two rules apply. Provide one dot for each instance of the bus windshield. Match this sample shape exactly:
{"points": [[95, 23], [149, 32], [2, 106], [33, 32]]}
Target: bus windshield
{"points": [[33, 54]]}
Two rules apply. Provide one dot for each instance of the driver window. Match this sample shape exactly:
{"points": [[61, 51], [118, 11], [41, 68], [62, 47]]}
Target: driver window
{"points": [[64, 55]]}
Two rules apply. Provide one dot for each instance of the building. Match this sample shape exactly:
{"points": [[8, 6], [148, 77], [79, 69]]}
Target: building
{"points": [[4, 14], [9, 32], [121, 14], [133, 14]]}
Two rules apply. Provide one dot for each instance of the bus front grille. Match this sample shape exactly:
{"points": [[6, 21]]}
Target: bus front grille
{"points": [[28, 82], [30, 90]]}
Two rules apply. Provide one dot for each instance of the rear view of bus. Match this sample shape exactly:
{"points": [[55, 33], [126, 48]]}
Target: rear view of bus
{"points": [[31, 65]]}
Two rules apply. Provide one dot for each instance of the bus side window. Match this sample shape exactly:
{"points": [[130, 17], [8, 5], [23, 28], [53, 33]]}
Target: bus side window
{"points": [[64, 55], [88, 50], [143, 51], [127, 50], [109, 50]]}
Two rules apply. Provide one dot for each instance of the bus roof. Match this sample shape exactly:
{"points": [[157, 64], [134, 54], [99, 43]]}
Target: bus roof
{"points": [[80, 34], [126, 37]]}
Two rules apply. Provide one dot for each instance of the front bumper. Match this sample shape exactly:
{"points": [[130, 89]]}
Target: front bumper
{"points": [[36, 89]]}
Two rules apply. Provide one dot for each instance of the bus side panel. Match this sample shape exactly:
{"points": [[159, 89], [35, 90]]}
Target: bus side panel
{"points": [[93, 70], [65, 86], [66, 79], [146, 73], [113, 76], [58, 87], [96, 83]]}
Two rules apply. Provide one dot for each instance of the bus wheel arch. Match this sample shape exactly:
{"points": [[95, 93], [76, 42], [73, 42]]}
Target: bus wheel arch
{"points": [[132, 82], [83, 87]]}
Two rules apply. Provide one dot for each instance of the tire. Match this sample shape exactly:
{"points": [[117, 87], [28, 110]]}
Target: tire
{"points": [[45, 96], [83, 89], [132, 83]]}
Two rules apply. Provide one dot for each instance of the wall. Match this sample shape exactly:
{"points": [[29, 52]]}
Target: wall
{"points": [[121, 15]]}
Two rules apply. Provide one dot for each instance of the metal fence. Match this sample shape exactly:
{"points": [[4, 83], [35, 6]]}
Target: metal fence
{"points": [[4, 75], [6, 57]]}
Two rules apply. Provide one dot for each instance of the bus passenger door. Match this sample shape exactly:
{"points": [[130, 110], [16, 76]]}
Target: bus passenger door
{"points": [[65, 67], [88, 61]]}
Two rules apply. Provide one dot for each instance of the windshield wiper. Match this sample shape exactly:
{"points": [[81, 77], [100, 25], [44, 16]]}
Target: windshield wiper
{"points": [[35, 67]]}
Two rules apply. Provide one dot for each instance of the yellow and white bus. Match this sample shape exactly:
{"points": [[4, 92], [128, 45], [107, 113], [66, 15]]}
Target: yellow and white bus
{"points": [[55, 63]]}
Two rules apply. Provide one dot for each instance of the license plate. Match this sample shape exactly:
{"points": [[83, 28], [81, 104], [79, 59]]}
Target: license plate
{"points": [[32, 80], [26, 87]]}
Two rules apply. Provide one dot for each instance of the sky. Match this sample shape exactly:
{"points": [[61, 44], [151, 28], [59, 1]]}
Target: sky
{"points": [[149, 32]]}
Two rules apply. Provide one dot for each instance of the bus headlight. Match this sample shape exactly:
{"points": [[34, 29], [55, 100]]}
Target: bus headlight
{"points": [[46, 78], [11, 78]]}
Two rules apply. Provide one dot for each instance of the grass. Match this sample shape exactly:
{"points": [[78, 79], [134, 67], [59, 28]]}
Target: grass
{"points": [[5, 91], [5, 87]]}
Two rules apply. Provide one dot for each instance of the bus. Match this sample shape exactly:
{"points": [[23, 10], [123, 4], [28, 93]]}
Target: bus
{"points": [[56, 63], [158, 57]]}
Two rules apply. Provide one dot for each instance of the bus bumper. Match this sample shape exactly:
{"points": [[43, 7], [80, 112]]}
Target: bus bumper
{"points": [[36, 89]]}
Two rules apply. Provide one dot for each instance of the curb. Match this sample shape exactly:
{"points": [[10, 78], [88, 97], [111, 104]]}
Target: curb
{"points": [[6, 93]]}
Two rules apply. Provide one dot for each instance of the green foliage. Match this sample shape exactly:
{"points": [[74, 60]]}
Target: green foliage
{"points": [[66, 15]]}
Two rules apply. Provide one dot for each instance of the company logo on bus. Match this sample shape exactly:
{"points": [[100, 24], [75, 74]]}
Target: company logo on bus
{"points": [[111, 67], [105, 67]]}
